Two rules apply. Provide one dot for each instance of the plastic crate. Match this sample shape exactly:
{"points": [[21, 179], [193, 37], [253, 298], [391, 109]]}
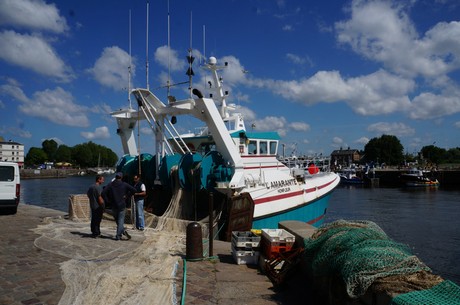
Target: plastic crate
{"points": [[245, 239], [242, 257], [275, 241]]}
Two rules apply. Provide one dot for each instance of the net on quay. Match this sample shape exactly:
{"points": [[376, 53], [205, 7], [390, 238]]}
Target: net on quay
{"points": [[360, 253], [105, 271], [447, 292]]}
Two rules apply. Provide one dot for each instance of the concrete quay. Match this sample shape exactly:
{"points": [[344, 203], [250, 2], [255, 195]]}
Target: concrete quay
{"points": [[31, 276], [28, 274]]}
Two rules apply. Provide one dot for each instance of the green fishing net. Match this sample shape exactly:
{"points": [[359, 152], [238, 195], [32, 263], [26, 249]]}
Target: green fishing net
{"points": [[445, 293], [359, 252]]}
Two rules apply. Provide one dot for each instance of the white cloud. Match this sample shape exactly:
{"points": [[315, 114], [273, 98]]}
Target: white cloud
{"points": [[271, 123], [457, 124], [234, 73], [34, 53], [97, 134], [247, 113], [16, 132], [167, 59], [362, 140], [396, 129], [429, 105], [56, 105], [111, 68], [146, 131], [299, 126], [298, 60], [337, 140], [32, 14], [373, 94], [382, 31]]}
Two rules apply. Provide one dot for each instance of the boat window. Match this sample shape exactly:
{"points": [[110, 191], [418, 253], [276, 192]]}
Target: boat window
{"points": [[252, 148], [263, 145], [273, 146]]}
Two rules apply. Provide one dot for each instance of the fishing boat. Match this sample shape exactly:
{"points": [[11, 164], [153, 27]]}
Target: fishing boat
{"points": [[238, 167], [416, 177]]}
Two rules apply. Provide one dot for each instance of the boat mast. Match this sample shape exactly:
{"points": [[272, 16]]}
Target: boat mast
{"points": [[130, 63], [147, 49], [168, 83], [190, 59]]}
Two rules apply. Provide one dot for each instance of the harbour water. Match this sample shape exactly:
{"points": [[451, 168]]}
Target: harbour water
{"points": [[425, 219]]}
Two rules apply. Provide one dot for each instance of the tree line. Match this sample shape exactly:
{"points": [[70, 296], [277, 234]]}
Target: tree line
{"points": [[389, 150], [81, 155]]}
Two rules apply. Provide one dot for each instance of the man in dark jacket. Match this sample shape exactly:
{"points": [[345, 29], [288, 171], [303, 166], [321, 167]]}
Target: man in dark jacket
{"points": [[117, 193], [97, 205]]}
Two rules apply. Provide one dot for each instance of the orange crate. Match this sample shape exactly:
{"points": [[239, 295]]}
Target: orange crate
{"points": [[275, 241]]}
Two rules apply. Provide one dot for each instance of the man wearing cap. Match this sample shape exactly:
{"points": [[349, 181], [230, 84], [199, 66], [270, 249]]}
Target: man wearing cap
{"points": [[116, 193]]}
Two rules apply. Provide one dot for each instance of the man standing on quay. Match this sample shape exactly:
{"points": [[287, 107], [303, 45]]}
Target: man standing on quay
{"points": [[117, 193], [139, 201], [97, 205]]}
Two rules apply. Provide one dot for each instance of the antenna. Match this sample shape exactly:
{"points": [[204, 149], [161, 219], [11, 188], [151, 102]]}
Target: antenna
{"points": [[168, 84], [129, 68], [147, 49], [190, 58], [204, 43]]}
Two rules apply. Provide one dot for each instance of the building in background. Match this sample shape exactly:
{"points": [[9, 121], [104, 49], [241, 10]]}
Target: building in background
{"points": [[13, 152], [345, 157]]}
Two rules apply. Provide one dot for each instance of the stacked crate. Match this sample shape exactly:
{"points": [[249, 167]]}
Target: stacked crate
{"points": [[276, 241], [245, 247]]}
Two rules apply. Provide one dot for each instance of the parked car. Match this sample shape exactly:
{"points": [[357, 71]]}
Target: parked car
{"points": [[10, 186]]}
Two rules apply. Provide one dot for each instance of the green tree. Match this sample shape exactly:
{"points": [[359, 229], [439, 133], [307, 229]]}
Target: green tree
{"points": [[453, 155], [50, 147], [63, 154], [434, 154], [82, 155], [386, 149], [35, 156], [91, 155]]}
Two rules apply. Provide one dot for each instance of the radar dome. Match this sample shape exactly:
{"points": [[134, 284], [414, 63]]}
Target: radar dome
{"points": [[212, 60]]}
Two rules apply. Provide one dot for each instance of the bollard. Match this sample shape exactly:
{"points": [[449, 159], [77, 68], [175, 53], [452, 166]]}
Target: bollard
{"points": [[194, 241]]}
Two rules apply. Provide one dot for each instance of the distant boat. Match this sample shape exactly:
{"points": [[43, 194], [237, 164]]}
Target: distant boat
{"points": [[100, 170], [349, 176], [417, 177]]}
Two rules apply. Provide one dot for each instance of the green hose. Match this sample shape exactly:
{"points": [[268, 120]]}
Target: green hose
{"points": [[184, 282]]}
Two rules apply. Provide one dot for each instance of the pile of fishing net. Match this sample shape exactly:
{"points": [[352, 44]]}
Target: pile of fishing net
{"points": [[104, 271], [361, 254]]}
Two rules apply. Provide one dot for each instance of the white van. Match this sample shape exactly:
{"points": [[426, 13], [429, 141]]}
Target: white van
{"points": [[10, 186]]}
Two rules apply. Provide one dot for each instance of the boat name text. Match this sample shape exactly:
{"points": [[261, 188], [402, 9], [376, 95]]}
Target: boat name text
{"points": [[282, 183]]}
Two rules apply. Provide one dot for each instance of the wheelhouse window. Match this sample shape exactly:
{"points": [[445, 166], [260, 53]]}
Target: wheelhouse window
{"points": [[263, 147], [273, 147], [252, 147]]}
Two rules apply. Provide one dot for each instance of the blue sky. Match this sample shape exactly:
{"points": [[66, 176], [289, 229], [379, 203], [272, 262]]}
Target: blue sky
{"points": [[324, 74]]}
